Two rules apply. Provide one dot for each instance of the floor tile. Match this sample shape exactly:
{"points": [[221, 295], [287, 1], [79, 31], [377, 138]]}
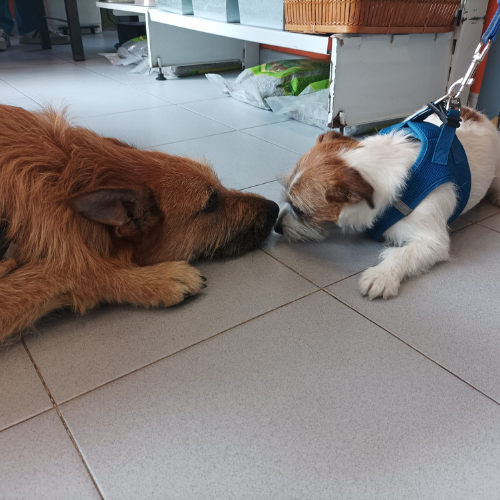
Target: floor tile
{"points": [[233, 113], [492, 223], [152, 127], [452, 313], [8, 92], [309, 402], [295, 136], [109, 97], [121, 73], [459, 224], [328, 261], [240, 161], [183, 90], [480, 212], [57, 71], [22, 394], [25, 103], [42, 463], [271, 190], [77, 354]]}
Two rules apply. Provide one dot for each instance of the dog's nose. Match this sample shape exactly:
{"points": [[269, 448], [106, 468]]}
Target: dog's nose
{"points": [[278, 228], [273, 210]]}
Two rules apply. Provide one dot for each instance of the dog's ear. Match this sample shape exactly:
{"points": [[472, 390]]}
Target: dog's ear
{"points": [[350, 187], [340, 139], [131, 212], [329, 136]]}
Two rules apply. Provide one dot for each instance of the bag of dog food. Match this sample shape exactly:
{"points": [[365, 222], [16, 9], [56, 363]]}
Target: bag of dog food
{"points": [[280, 78], [310, 107]]}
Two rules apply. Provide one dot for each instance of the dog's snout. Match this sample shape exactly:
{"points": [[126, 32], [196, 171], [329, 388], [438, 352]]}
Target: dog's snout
{"points": [[273, 210], [278, 228]]}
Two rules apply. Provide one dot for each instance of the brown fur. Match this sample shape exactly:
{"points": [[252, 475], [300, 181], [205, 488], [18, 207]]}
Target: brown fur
{"points": [[469, 114], [96, 220], [327, 183]]}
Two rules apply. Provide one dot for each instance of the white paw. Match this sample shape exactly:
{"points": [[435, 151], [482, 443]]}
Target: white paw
{"points": [[379, 282]]}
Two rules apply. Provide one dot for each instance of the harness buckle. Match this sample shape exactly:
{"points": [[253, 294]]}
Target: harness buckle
{"points": [[448, 112]]}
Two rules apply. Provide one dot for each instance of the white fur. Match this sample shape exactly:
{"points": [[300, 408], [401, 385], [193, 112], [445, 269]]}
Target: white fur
{"points": [[295, 179], [421, 239]]}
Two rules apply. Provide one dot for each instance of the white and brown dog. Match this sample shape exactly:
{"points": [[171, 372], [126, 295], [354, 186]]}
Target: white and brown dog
{"points": [[352, 183]]}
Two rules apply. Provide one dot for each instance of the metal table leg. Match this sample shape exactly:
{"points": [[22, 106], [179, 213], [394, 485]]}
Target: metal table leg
{"points": [[75, 32], [42, 24]]}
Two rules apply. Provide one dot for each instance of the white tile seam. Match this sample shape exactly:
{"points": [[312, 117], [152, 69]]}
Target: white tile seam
{"points": [[138, 87], [187, 140], [338, 299], [243, 130], [258, 185], [19, 90], [63, 421], [207, 117], [25, 420], [227, 330], [486, 227]]}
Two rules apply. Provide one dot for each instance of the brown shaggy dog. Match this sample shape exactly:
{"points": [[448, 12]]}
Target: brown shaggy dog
{"points": [[96, 220]]}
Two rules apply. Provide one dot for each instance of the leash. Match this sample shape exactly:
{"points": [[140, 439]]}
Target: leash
{"points": [[451, 100], [442, 157]]}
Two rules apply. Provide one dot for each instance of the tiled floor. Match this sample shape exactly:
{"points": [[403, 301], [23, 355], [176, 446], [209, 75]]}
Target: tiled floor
{"points": [[279, 381]]}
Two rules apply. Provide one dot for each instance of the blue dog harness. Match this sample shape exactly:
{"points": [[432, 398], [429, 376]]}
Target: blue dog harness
{"points": [[442, 159]]}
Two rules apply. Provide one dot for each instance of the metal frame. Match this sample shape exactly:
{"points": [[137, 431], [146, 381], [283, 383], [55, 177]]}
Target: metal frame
{"points": [[374, 78]]}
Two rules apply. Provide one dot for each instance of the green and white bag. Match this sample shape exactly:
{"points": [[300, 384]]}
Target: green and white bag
{"points": [[280, 78]]}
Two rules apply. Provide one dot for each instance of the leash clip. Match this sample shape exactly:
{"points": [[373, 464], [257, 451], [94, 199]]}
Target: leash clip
{"points": [[448, 112]]}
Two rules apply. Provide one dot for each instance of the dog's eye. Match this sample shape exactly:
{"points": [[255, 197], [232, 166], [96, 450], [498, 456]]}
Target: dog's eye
{"points": [[212, 203], [297, 211]]}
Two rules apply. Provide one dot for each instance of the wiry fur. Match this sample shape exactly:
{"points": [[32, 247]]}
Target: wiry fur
{"points": [[333, 183], [96, 220]]}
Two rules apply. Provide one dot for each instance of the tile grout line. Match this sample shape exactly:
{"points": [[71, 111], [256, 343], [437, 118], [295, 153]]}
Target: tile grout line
{"points": [[412, 347], [187, 140], [258, 185], [491, 229], [25, 420], [58, 411], [269, 142], [291, 269], [207, 117], [189, 347]]}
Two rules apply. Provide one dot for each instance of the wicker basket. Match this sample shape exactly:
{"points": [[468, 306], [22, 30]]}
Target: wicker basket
{"points": [[370, 16]]}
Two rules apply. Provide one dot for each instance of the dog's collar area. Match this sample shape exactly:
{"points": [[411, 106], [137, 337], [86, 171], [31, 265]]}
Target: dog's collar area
{"points": [[442, 159]]}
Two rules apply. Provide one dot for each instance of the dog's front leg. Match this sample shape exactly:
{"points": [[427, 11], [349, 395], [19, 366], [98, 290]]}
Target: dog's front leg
{"points": [[164, 284], [398, 263], [27, 294]]}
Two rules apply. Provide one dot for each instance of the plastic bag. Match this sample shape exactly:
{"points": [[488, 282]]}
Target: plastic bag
{"points": [[142, 68], [131, 52], [280, 78], [310, 107]]}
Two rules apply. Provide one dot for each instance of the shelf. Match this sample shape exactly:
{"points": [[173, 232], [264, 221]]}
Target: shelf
{"points": [[319, 44], [124, 7]]}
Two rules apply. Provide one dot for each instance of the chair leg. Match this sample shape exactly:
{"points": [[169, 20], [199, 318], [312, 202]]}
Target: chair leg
{"points": [[75, 32], [42, 24]]}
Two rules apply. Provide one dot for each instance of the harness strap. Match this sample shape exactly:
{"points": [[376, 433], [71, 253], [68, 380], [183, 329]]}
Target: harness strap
{"points": [[443, 144], [446, 136]]}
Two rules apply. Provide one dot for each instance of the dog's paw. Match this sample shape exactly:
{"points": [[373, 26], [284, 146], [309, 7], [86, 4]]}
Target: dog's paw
{"points": [[378, 282], [179, 281]]}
